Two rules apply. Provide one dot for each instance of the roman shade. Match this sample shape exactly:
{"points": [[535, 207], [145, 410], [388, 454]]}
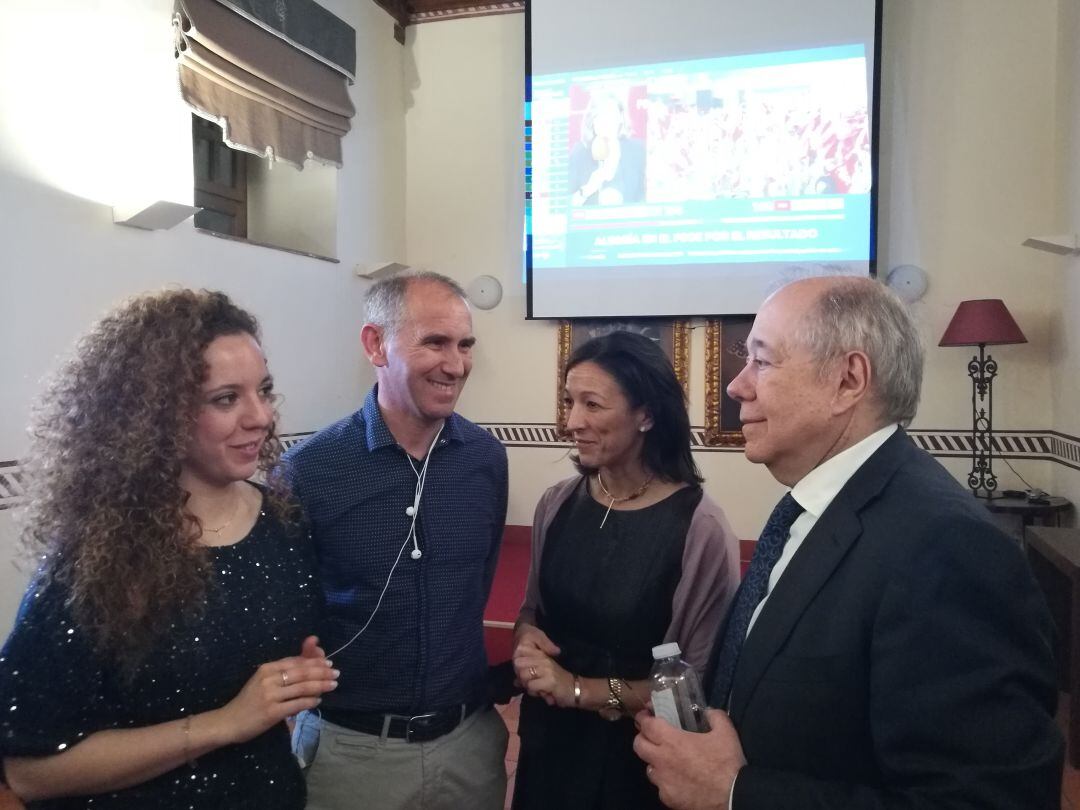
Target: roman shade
{"points": [[270, 97], [308, 26]]}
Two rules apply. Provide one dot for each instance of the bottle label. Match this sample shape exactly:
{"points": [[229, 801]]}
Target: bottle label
{"points": [[663, 703]]}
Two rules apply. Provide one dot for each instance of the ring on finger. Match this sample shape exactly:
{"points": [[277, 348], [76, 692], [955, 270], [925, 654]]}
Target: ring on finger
{"points": [[532, 672], [284, 678]]}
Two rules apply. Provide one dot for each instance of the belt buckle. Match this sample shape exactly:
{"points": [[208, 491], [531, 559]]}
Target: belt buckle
{"points": [[414, 718]]}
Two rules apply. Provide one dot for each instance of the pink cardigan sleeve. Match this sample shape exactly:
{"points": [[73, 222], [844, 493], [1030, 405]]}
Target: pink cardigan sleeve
{"points": [[710, 577], [546, 510]]}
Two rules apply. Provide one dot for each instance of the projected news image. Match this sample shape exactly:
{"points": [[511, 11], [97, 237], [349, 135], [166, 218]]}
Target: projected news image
{"points": [[734, 161]]}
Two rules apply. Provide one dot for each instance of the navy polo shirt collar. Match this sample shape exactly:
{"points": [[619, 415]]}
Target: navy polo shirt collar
{"points": [[378, 435]]}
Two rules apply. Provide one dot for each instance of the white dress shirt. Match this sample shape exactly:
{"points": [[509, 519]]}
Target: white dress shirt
{"points": [[814, 492]]}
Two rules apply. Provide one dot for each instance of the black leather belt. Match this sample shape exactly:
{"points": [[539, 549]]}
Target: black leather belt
{"points": [[411, 728]]}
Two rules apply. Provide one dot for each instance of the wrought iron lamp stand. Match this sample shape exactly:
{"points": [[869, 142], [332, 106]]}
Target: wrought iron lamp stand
{"points": [[982, 370]]}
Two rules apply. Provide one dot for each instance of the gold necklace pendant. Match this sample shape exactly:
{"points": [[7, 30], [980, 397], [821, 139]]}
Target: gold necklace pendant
{"points": [[612, 500], [615, 499], [227, 523]]}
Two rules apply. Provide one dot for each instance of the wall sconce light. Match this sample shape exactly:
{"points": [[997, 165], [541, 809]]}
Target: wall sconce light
{"points": [[1067, 244], [373, 271], [157, 216], [981, 323]]}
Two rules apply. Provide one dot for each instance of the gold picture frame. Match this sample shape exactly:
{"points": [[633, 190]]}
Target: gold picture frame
{"points": [[672, 335], [725, 355]]}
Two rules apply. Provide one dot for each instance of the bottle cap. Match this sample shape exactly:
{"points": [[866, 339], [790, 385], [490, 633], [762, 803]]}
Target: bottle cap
{"points": [[666, 650]]}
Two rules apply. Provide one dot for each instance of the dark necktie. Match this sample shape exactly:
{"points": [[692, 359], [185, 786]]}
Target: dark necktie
{"points": [[750, 593]]}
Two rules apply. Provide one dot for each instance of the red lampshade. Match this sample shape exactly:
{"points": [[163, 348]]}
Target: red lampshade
{"points": [[986, 320]]}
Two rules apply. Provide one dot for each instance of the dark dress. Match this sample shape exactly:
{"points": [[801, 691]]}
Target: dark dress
{"points": [[55, 690], [607, 597]]}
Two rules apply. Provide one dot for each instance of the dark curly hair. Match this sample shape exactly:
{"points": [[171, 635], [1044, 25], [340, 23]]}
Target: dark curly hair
{"points": [[646, 378], [106, 508]]}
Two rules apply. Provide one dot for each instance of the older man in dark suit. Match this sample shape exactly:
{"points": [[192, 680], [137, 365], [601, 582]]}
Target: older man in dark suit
{"points": [[888, 648]]}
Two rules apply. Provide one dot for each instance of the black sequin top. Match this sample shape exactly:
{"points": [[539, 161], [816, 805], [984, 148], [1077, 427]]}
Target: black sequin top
{"points": [[55, 691]]}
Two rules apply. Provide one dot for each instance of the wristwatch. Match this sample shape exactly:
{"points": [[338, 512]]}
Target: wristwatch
{"points": [[614, 708]]}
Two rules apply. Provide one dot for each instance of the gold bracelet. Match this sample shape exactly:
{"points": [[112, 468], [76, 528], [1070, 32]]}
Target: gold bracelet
{"points": [[187, 741], [614, 708], [577, 692]]}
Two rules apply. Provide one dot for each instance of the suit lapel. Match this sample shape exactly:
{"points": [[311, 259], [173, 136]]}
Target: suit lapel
{"points": [[813, 564]]}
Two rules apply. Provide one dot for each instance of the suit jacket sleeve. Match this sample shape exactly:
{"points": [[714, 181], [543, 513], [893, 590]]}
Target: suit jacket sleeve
{"points": [[961, 689]]}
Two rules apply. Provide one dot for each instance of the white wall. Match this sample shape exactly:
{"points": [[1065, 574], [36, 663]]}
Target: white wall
{"points": [[967, 162], [967, 169], [1065, 351], [65, 262]]}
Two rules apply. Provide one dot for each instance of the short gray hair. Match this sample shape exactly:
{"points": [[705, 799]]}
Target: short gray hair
{"points": [[859, 314], [384, 303]]}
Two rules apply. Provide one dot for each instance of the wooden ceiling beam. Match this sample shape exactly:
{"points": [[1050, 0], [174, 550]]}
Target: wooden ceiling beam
{"points": [[425, 6], [406, 12]]}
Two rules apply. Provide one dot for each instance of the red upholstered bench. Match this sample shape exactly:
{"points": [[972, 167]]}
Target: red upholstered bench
{"points": [[507, 593], [746, 553]]}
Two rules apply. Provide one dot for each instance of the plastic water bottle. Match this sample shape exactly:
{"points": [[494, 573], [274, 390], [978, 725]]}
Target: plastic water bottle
{"points": [[676, 690]]}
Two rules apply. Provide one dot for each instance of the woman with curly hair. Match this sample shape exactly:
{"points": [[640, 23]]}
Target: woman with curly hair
{"points": [[164, 640]]}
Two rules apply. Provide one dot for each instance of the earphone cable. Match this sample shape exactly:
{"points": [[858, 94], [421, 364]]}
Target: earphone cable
{"points": [[421, 478], [377, 604]]}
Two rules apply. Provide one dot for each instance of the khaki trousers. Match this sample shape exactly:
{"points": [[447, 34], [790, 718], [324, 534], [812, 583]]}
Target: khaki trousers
{"points": [[462, 770]]}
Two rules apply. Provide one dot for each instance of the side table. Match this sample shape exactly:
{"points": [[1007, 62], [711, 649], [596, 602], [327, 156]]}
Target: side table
{"points": [[1029, 511], [1054, 555]]}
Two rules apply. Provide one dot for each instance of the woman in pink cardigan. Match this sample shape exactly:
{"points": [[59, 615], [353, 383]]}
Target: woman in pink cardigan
{"points": [[628, 554]]}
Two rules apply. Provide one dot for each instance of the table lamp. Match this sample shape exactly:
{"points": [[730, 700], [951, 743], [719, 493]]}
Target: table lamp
{"points": [[982, 323]]}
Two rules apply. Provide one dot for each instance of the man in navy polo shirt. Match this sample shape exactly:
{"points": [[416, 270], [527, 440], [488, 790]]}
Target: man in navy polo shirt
{"points": [[407, 502]]}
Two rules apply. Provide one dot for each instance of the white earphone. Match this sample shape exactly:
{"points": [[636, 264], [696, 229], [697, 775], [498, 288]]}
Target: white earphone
{"points": [[412, 511]]}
